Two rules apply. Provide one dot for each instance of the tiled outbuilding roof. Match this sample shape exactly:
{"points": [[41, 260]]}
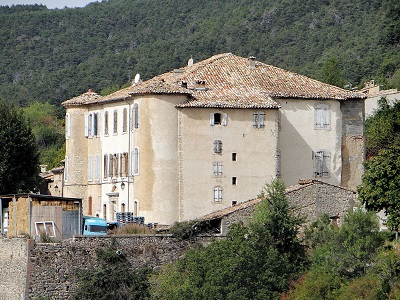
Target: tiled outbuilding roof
{"points": [[228, 81]]}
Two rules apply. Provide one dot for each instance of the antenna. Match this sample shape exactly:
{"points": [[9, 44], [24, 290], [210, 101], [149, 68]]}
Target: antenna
{"points": [[190, 61], [137, 79]]}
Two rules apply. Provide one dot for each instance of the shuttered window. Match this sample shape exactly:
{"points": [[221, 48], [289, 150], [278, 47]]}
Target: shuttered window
{"points": [[115, 127], [136, 116], [106, 123], [217, 168], [258, 119], [90, 168], [322, 116], [105, 166], [124, 120], [218, 119], [321, 163], [97, 167], [217, 194], [217, 146]]}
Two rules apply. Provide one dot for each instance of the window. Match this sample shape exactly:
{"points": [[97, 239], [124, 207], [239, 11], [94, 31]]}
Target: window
{"points": [[67, 125], [115, 165], [217, 146], [124, 164], [97, 167], [321, 163], [123, 207], [258, 119], [234, 180], [90, 168], [234, 156], [217, 168], [115, 127], [218, 119], [217, 194], [124, 120], [106, 123], [135, 162], [91, 125], [105, 165], [322, 116], [95, 130], [136, 116]]}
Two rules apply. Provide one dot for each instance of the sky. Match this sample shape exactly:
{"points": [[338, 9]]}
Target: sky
{"points": [[49, 3]]}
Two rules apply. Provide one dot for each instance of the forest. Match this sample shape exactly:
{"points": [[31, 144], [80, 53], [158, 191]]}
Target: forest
{"points": [[51, 55]]}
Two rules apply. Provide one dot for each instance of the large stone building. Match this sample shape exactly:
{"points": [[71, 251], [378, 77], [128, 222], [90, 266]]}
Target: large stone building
{"points": [[206, 136]]}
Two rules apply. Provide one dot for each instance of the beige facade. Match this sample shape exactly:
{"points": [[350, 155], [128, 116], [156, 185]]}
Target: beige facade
{"points": [[202, 138]]}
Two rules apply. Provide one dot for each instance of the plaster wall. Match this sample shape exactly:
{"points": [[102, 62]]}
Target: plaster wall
{"points": [[255, 163], [75, 185], [298, 138]]}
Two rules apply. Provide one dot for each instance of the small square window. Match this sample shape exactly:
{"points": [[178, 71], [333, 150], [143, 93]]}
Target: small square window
{"points": [[234, 156], [234, 180], [234, 202]]}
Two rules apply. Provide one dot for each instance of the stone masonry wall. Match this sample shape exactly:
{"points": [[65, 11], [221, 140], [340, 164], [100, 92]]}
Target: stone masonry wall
{"points": [[13, 266], [54, 267]]}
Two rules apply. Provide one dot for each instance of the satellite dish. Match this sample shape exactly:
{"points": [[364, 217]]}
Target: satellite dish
{"points": [[190, 62], [137, 78]]}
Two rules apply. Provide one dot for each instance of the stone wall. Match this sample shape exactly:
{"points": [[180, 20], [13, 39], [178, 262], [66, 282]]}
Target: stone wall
{"points": [[53, 268], [13, 266], [317, 199]]}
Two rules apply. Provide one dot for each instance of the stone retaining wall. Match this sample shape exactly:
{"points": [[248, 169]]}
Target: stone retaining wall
{"points": [[13, 266], [54, 267]]}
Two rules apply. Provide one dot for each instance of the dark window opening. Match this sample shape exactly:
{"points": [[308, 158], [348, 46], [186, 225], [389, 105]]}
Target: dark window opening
{"points": [[234, 156], [234, 180]]}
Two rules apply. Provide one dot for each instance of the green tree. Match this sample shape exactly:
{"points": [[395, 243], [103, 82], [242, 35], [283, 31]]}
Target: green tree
{"points": [[19, 163], [331, 73], [383, 127], [49, 132], [341, 259], [256, 261], [379, 185]]}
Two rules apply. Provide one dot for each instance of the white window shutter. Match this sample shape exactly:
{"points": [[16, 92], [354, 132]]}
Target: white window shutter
{"points": [[224, 119], [319, 158], [261, 117], [211, 119], [326, 163], [86, 125], [90, 168]]}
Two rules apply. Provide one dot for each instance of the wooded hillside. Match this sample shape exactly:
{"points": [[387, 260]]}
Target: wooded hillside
{"points": [[53, 55]]}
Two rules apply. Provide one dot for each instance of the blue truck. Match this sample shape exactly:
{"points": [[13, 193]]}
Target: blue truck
{"points": [[94, 226]]}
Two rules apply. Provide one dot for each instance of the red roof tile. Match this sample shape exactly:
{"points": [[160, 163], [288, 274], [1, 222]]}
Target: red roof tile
{"points": [[229, 82]]}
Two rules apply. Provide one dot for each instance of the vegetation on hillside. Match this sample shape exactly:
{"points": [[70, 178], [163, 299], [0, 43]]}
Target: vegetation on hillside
{"points": [[53, 55]]}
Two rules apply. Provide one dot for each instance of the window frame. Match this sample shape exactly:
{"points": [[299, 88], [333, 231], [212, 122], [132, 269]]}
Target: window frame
{"points": [[322, 163], [322, 116], [218, 198], [217, 147], [259, 119]]}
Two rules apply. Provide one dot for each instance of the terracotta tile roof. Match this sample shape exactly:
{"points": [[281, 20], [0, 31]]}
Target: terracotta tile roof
{"points": [[229, 82], [89, 97]]}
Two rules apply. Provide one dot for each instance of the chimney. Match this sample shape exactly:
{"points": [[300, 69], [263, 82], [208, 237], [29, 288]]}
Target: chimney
{"points": [[252, 62]]}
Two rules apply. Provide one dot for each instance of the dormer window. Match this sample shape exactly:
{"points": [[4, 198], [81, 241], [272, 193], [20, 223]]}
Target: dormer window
{"points": [[200, 85]]}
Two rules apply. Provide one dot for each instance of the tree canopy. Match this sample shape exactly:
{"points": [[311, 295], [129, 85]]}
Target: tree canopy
{"points": [[256, 261], [19, 163], [54, 55], [380, 181]]}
